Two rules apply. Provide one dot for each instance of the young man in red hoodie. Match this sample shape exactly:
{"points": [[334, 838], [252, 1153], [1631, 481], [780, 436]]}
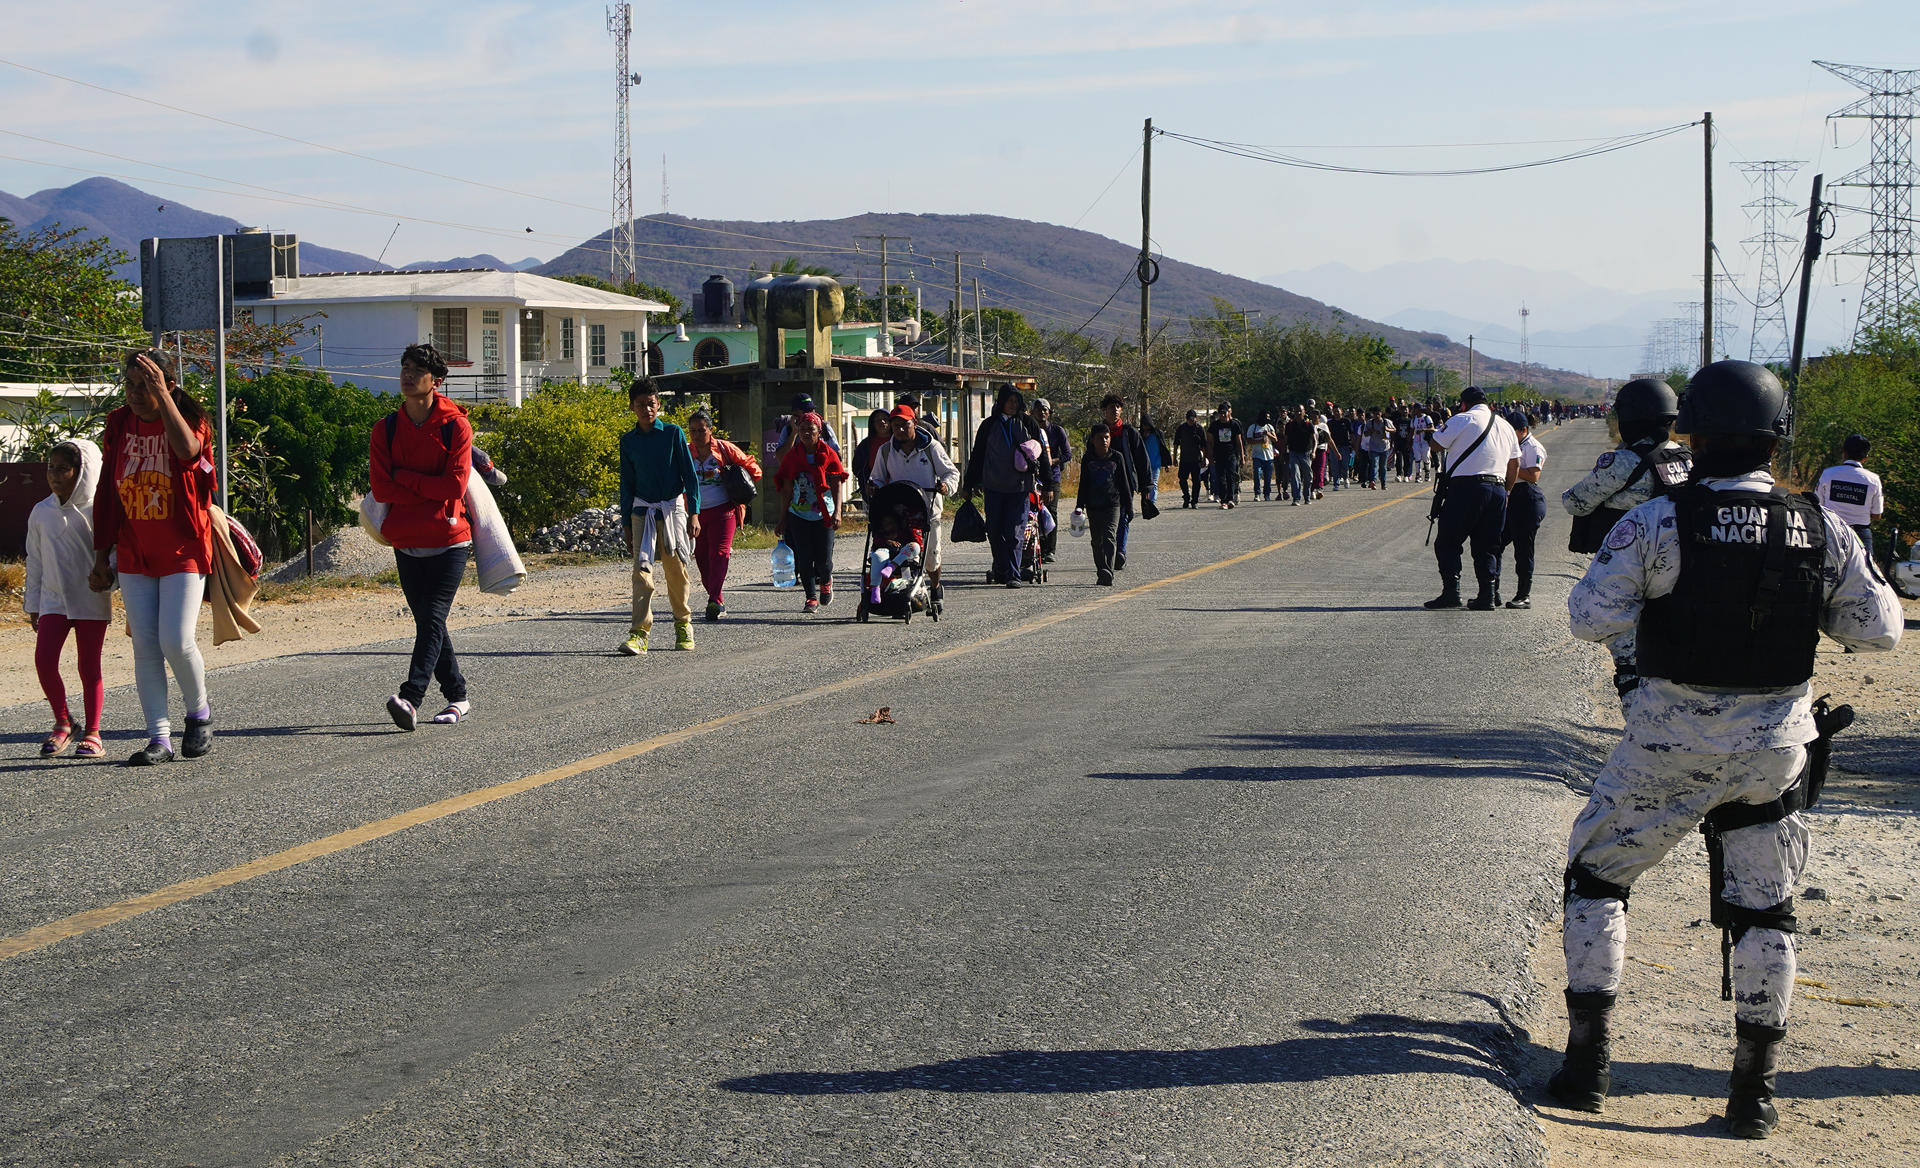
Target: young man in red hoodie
{"points": [[420, 456]]}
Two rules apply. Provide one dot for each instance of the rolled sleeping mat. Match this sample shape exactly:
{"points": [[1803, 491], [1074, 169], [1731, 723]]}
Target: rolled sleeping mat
{"points": [[494, 556], [373, 513]]}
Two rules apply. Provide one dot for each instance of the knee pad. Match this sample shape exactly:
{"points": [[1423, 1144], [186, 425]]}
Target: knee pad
{"points": [[1583, 883]]}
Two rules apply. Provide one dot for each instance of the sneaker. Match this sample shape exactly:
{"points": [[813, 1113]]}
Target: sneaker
{"points": [[810, 607], [826, 595], [635, 644], [683, 635], [401, 711], [714, 609], [1520, 602], [199, 738], [153, 753]]}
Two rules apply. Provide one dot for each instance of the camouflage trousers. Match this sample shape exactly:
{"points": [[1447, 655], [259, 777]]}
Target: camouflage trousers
{"points": [[1646, 801]]}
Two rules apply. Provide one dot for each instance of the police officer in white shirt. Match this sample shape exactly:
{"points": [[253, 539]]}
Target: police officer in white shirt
{"points": [[1730, 582], [1481, 464], [1853, 492], [1526, 508]]}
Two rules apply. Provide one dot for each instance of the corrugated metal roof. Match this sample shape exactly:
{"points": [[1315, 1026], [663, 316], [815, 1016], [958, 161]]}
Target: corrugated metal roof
{"points": [[466, 284]]}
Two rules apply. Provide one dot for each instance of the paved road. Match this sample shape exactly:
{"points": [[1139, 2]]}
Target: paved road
{"points": [[1229, 866]]}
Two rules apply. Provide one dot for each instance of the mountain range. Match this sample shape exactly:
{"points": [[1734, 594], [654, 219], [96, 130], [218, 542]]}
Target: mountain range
{"points": [[1057, 277]]}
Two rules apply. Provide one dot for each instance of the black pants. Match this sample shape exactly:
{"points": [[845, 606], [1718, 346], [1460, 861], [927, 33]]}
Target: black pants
{"points": [[1526, 510], [1474, 510], [1103, 525], [429, 583], [812, 544], [1192, 482], [1050, 540], [1226, 480]]}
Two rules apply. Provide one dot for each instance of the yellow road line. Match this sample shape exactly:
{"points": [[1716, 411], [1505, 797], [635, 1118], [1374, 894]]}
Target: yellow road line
{"points": [[87, 922]]}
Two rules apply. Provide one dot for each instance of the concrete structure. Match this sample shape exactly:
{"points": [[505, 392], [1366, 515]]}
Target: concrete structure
{"points": [[707, 346], [503, 333]]}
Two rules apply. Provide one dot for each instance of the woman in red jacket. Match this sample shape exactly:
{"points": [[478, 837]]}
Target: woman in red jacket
{"points": [[154, 518], [419, 458]]}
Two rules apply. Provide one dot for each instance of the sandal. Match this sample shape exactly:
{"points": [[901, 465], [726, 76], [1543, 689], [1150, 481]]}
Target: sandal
{"points": [[90, 747], [57, 741], [453, 713]]}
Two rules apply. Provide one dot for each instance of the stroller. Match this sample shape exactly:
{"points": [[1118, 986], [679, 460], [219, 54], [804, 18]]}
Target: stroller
{"points": [[1033, 565], [893, 512]]}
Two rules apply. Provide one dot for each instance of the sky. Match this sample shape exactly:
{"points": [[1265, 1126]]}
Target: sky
{"points": [[770, 110]]}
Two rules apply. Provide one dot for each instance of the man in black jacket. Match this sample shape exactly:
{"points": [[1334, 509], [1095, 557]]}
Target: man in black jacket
{"points": [[1190, 449], [1129, 445]]}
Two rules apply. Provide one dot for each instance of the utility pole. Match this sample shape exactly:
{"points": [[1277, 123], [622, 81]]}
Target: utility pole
{"points": [[1706, 308], [886, 298], [1810, 255], [1145, 269], [979, 325], [1469, 360], [956, 356]]}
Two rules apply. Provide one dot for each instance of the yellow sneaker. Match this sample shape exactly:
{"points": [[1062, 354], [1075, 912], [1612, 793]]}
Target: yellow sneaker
{"points": [[635, 644], [683, 634]]}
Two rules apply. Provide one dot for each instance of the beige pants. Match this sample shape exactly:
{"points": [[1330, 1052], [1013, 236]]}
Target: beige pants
{"points": [[643, 586]]}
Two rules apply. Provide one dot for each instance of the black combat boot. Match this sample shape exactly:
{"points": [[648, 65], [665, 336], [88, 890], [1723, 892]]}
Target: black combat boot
{"points": [[1756, 1060], [1584, 1078], [1489, 598], [1449, 594]]}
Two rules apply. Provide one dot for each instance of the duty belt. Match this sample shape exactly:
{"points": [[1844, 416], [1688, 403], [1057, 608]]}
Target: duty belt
{"points": [[1478, 478]]}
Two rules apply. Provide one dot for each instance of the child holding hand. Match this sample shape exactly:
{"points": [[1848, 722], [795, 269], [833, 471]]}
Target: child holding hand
{"points": [[58, 599]]}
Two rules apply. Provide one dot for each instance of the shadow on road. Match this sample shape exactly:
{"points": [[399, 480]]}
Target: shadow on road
{"points": [[1371, 1044], [1559, 753]]}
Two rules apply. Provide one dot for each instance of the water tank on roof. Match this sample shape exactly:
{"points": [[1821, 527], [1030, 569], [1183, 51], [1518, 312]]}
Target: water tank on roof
{"points": [[716, 300]]}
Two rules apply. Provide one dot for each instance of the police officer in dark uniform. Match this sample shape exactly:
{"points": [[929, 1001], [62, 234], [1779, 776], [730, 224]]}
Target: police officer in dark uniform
{"points": [[1481, 464], [1729, 582]]}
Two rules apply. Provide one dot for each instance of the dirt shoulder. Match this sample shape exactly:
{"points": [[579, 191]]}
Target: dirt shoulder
{"points": [[1850, 1078]]}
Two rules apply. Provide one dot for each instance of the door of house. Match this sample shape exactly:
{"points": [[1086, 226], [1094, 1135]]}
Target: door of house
{"points": [[490, 348]]}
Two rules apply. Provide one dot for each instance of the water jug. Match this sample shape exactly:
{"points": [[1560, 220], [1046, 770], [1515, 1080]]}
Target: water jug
{"points": [[1078, 524], [783, 573]]}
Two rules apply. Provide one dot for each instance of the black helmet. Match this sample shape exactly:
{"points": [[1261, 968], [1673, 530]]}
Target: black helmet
{"points": [[1646, 399], [1734, 397]]}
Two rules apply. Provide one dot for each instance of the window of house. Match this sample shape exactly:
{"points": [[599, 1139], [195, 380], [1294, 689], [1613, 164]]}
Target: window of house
{"points": [[566, 338], [450, 333], [711, 352], [489, 316], [533, 335], [656, 361], [597, 345], [630, 351]]}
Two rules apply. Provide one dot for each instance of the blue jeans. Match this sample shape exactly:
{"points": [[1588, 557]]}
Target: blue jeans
{"points": [[1263, 478], [1006, 515], [1300, 476], [428, 583], [1377, 468], [1336, 468]]}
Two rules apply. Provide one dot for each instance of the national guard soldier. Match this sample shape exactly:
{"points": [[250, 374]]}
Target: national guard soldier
{"points": [[1645, 464], [1482, 462], [1730, 582]]}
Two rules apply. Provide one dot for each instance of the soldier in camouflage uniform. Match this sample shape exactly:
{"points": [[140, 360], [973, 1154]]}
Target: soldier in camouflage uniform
{"points": [[1729, 583], [1647, 463]]}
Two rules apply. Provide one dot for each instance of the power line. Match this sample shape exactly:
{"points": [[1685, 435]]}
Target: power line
{"points": [[1279, 158]]}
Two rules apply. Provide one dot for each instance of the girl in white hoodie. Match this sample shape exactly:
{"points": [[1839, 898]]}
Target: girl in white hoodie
{"points": [[58, 600]]}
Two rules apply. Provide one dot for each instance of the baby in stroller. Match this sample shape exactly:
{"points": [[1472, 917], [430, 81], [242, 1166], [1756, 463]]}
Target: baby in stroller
{"points": [[893, 584]]}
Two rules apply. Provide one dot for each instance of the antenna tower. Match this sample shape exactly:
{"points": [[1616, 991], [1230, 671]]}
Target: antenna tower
{"points": [[1889, 106], [620, 25], [663, 184], [1526, 346], [1769, 340]]}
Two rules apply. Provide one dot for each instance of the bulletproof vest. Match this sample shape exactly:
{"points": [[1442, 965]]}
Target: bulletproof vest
{"points": [[1745, 612], [1665, 468]]}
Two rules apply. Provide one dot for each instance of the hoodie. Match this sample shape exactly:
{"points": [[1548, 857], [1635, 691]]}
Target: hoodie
{"points": [[60, 548], [421, 471]]}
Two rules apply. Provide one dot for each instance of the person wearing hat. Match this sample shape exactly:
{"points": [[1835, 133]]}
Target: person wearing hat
{"points": [[1729, 581], [1059, 454], [915, 456], [1645, 464], [1853, 492], [1483, 463], [1190, 451], [1006, 470], [1526, 508], [1229, 454]]}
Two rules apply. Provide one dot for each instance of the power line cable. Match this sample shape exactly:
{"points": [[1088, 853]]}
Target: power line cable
{"points": [[1279, 158]]}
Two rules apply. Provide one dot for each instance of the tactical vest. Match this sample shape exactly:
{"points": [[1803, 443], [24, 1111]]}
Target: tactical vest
{"points": [[1745, 612], [1667, 465]]}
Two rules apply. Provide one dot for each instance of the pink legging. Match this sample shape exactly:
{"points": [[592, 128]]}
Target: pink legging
{"points": [[89, 636], [714, 549]]}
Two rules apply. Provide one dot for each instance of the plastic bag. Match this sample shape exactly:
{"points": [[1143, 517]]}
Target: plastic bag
{"points": [[968, 524]]}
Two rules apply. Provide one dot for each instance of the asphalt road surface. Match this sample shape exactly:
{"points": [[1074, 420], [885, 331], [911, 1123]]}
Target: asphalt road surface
{"points": [[1233, 864]]}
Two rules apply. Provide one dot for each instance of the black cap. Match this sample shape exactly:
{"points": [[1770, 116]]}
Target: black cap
{"points": [[1472, 395]]}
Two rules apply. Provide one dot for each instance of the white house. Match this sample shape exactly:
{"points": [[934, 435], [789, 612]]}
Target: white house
{"points": [[502, 333]]}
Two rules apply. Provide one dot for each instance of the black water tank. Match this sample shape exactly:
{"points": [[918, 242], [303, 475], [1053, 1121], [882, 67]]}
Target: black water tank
{"points": [[716, 300]]}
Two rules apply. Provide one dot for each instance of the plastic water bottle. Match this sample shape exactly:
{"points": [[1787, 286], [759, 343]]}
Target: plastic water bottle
{"points": [[783, 574], [1078, 523]]}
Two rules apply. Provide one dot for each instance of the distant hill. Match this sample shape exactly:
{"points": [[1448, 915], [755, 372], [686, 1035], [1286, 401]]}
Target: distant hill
{"points": [[483, 260], [126, 215], [1058, 277]]}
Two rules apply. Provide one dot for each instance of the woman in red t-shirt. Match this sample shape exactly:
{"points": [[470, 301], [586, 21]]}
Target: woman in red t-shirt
{"points": [[152, 516]]}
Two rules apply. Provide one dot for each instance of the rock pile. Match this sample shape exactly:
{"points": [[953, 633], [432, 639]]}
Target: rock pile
{"points": [[347, 552], [595, 531]]}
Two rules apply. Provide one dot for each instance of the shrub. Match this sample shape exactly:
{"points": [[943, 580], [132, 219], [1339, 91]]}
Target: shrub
{"points": [[561, 452]]}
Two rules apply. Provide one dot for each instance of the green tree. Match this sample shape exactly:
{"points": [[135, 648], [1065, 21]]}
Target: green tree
{"points": [[1873, 389], [561, 451], [299, 441], [64, 315]]}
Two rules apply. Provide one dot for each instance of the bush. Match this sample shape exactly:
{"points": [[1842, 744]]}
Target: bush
{"points": [[299, 441], [1873, 389], [561, 452]]}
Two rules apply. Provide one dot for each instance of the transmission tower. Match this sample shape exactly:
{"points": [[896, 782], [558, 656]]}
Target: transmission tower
{"points": [[1526, 346], [1769, 340], [1890, 106], [620, 25], [663, 184]]}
